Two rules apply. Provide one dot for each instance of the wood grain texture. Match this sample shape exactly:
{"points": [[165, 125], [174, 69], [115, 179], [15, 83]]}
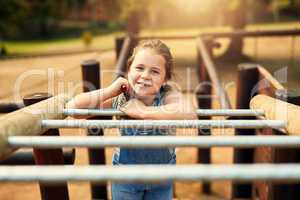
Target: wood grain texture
{"points": [[278, 110], [26, 121]]}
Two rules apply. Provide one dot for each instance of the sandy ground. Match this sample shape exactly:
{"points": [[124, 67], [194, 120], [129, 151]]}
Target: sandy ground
{"points": [[57, 74]]}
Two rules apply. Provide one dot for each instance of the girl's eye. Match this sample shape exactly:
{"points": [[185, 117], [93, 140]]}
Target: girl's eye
{"points": [[139, 68], [155, 72]]}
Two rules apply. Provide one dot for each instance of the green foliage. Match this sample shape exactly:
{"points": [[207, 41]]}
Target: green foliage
{"points": [[28, 18], [132, 6], [3, 51], [12, 12], [87, 38], [40, 19]]}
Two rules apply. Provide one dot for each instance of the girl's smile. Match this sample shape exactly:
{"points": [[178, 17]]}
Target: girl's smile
{"points": [[147, 73], [144, 83]]}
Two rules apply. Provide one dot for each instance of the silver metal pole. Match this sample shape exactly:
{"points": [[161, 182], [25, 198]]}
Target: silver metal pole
{"points": [[153, 141], [242, 124], [144, 173], [93, 112], [200, 112]]}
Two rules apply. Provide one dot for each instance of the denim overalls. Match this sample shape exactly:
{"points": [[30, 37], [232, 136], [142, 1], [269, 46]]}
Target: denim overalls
{"points": [[143, 156]]}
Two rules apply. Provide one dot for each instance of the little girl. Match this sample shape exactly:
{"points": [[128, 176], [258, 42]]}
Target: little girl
{"points": [[148, 96]]}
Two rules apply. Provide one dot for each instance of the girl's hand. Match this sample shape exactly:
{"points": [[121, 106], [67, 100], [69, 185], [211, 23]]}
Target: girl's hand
{"points": [[134, 108], [116, 86]]}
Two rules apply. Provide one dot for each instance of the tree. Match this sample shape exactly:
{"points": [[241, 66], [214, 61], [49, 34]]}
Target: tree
{"points": [[236, 15], [11, 14], [28, 18], [131, 11], [42, 16]]}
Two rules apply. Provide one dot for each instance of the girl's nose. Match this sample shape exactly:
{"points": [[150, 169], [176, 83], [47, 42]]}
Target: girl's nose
{"points": [[145, 74]]}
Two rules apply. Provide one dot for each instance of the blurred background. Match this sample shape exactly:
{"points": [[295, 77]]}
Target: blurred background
{"points": [[28, 26], [43, 44]]}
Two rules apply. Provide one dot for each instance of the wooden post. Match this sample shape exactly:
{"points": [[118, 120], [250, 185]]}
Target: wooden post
{"points": [[119, 41], [247, 83], [287, 155], [264, 189], [124, 50], [91, 74], [26, 121], [27, 158], [48, 157], [204, 93], [6, 107], [290, 96]]}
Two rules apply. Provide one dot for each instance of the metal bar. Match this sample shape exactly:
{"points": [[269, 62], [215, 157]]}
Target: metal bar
{"points": [[200, 112], [93, 112], [145, 173], [257, 33], [153, 141], [163, 123], [164, 37]]}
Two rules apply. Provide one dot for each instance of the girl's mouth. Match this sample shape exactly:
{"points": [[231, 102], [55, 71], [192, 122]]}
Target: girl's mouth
{"points": [[144, 84]]}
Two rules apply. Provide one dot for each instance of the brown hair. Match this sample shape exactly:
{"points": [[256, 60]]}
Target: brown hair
{"points": [[161, 49]]}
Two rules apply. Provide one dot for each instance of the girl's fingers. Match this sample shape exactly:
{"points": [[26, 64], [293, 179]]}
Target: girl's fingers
{"points": [[124, 88], [123, 107], [127, 90]]}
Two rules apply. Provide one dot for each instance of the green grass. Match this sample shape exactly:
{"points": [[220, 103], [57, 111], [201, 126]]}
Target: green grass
{"points": [[45, 46], [106, 41]]}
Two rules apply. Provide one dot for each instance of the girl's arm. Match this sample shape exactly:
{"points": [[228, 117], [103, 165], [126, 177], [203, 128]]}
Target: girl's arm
{"points": [[175, 107], [99, 98]]}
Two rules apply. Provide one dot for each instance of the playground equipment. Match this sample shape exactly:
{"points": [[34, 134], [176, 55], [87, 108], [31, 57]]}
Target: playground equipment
{"points": [[252, 79]]}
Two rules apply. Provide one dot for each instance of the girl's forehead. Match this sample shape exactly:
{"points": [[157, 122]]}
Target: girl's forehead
{"points": [[149, 57]]}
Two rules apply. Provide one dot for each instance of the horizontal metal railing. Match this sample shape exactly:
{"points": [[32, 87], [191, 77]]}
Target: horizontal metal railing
{"points": [[200, 112], [146, 173], [153, 141], [245, 124]]}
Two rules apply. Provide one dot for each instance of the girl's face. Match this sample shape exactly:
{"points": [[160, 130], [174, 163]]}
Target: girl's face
{"points": [[147, 73]]}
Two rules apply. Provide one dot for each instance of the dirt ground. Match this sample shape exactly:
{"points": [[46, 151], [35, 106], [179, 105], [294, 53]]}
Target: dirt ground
{"points": [[56, 74]]}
